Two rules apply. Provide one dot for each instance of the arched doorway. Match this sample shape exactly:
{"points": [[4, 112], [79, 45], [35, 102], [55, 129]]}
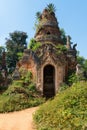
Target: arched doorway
{"points": [[49, 81]]}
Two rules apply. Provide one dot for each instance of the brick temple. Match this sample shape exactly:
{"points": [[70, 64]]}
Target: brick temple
{"points": [[49, 64]]}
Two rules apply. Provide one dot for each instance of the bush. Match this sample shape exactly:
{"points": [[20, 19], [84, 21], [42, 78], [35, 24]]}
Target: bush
{"points": [[68, 110], [32, 87], [26, 76], [61, 48], [18, 97], [63, 86], [33, 45], [72, 78]]}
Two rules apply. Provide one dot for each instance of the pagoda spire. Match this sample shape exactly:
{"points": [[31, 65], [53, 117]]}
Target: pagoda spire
{"points": [[48, 30]]}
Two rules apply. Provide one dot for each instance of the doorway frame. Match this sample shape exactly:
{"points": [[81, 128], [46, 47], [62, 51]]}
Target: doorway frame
{"points": [[42, 77], [52, 69]]}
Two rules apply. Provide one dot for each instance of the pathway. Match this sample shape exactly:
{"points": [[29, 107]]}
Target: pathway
{"points": [[21, 120]]}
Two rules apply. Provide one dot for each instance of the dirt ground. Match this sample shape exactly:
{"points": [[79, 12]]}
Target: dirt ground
{"points": [[21, 120]]}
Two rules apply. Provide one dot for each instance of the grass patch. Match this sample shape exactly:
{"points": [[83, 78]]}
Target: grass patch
{"points": [[67, 111], [19, 96]]}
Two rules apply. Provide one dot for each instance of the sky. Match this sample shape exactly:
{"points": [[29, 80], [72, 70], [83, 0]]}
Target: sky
{"points": [[19, 15]]}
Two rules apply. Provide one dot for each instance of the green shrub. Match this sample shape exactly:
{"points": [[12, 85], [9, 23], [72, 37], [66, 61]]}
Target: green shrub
{"points": [[72, 78], [26, 76], [33, 45], [18, 97], [23, 73], [32, 87], [68, 110], [61, 48], [63, 86]]}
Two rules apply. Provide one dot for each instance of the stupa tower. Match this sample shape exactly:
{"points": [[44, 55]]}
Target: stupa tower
{"points": [[52, 61], [48, 30]]}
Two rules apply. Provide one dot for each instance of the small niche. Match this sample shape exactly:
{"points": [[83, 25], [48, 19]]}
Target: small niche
{"points": [[48, 33]]}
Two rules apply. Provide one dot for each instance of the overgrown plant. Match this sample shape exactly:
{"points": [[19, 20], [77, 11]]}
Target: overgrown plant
{"points": [[63, 36], [33, 45], [38, 16], [60, 49], [19, 96], [51, 8], [73, 78], [26, 75], [63, 86]]}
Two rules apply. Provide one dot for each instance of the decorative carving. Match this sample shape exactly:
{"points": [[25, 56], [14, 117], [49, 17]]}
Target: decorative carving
{"points": [[74, 46]]}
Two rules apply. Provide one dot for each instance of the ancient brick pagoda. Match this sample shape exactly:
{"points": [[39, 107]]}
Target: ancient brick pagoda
{"points": [[49, 64]]}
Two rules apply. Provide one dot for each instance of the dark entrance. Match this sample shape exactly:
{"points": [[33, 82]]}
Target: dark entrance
{"points": [[49, 81]]}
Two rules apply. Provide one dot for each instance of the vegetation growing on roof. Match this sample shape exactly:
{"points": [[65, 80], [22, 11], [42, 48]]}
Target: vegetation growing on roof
{"points": [[63, 36], [51, 8], [38, 16], [33, 45]]}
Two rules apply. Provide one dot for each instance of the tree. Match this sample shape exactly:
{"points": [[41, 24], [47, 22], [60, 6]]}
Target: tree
{"points": [[63, 35], [15, 45], [51, 8], [1, 51], [83, 62], [2, 58], [3, 69], [38, 16]]}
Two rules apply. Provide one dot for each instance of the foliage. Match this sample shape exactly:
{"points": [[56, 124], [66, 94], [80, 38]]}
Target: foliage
{"points": [[67, 111], [51, 8], [3, 69], [1, 53], [19, 96], [38, 16], [82, 61], [33, 45], [71, 78], [63, 36], [28, 77], [19, 54], [61, 48], [63, 86], [2, 58], [2, 49], [15, 44], [25, 75]]}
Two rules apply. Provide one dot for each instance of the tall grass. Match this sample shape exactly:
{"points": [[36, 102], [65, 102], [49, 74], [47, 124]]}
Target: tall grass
{"points": [[67, 111]]}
